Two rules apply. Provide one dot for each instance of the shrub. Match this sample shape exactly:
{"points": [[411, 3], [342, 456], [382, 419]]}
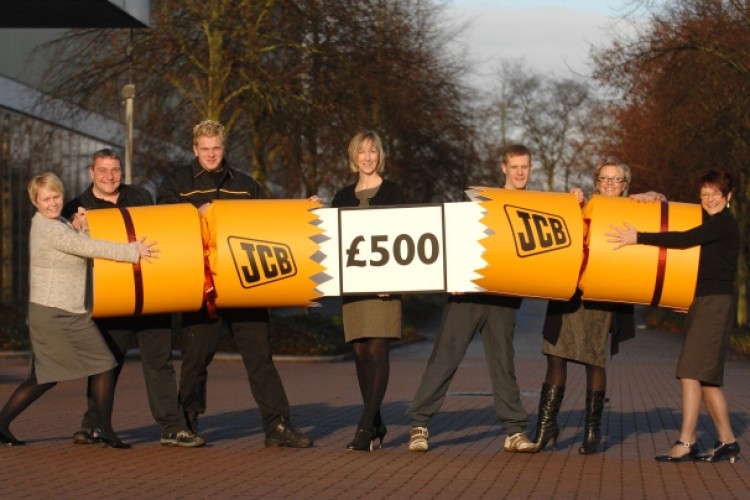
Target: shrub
{"points": [[14, 331], [307, 334], [421, 310], [664, 319], [323, 334], [304, 333]]}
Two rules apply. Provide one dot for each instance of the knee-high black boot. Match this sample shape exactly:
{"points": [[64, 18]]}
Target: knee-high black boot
{"points": [[549, 406], [593, 435]]}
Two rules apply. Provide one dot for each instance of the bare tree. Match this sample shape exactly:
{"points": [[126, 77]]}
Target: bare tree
{"points": [[684, 85], [201, 60], [293, 81], [381, 64], [551, 116]]}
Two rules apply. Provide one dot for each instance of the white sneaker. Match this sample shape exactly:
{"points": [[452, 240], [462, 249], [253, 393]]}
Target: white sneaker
{"points": [[418, 439], [520, 443]]}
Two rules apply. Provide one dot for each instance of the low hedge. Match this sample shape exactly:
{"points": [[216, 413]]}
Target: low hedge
{"points": [[303, 333]]}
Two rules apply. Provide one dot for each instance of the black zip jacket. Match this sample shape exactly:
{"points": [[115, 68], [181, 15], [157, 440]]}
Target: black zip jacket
{"points": [[130, 196], [192, 184]]}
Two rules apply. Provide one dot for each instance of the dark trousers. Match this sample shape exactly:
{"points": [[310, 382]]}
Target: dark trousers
{"points": [[251, 332], [154, 337], [495, 319]]}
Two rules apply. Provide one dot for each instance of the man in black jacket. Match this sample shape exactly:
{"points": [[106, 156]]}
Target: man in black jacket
{"points": [[152, 332], [209, 178]]}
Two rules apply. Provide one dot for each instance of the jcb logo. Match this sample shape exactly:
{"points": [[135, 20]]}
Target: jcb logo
{"points": [[260, 262], [536, 232]]}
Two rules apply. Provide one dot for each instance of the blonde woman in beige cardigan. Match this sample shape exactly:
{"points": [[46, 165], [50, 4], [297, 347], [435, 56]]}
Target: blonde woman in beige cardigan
{"points": [[64, 339]]}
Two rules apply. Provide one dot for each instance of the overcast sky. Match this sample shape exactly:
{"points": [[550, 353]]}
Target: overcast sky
{"points": [[549, 35]]}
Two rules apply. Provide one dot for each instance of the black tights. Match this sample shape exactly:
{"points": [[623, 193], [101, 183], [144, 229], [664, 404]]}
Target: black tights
{"points": [[102, 389], [373, 370], [557, 374]]}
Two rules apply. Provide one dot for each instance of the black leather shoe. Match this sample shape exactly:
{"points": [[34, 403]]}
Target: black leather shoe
{"points": [[380, 432], [689, 456], [364, 440], [380, 429], [9, 440], [721, 451], [285, 434], [84, 437], [110, 440]]}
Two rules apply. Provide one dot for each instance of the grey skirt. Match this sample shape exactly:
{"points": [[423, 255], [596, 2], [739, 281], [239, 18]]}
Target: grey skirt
{"points": [[66, 345], [707, 329]]}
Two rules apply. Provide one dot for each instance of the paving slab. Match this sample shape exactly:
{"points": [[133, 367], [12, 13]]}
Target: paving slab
{"points": [[466, 458]]}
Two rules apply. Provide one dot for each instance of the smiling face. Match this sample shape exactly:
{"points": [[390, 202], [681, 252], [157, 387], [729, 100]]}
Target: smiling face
{"points": [[517, 170], [49, 202], [210, 152], [368, 158], [106, 174], [712, 199], [610, 181]]}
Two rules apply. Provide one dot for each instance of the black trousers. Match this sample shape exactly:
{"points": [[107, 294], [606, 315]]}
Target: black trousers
{"points": [[154, 337], [251, 332]]}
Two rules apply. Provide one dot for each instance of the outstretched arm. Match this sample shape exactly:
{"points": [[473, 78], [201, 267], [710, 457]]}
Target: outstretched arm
{"points": [[623, 236]]}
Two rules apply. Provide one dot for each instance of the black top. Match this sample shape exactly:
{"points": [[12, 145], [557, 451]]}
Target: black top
{"points": [[388, 194], [719, 238], [130, 196], [193, 184]]}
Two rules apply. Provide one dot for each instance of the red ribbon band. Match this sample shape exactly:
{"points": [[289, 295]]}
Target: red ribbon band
{"points": [[137, 273], [661, 266]]}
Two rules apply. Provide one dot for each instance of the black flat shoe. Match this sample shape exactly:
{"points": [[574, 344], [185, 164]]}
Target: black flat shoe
{"points": [[112, 441], [9, 440], [721, 451], [689, 456]]}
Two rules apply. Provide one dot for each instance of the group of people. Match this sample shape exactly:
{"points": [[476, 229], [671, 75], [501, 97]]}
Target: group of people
{"points": [[67, 343]]}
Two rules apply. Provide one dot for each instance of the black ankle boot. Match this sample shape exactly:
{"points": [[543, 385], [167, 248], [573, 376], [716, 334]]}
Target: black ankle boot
{"points": [[549, 406], [593, 435]]}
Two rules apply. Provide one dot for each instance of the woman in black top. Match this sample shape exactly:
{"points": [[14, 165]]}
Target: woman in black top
{"points": [[710, 318], [370, 322]]}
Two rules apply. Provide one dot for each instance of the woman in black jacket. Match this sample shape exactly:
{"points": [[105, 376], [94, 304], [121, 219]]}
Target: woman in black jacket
{"points": [[710, 317], [370, 322]]}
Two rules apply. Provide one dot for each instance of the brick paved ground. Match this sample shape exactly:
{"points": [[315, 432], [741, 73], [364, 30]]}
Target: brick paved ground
{"points": [[465, 460]]}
